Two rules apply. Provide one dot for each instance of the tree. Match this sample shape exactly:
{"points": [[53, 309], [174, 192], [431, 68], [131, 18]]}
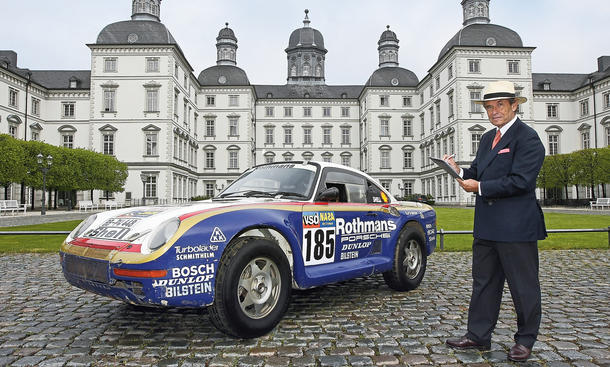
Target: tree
{"points": [[11, 166], [561, 171], [592, 167]]}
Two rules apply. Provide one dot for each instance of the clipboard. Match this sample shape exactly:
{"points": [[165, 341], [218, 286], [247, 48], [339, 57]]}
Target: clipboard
{"points": [[445, 166]]}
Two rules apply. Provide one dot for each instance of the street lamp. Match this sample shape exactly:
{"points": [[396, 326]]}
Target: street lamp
{"points": [[44, 168], [144, 178]]}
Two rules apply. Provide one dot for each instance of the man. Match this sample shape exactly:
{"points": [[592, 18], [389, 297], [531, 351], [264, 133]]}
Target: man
{"points": [[508, 222]]}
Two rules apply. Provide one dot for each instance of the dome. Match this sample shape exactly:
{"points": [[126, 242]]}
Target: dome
{"points": [[146, 32], [387, 35], [306, 36], [392, 77], [483, 35], [226, 33], [220, 75]]}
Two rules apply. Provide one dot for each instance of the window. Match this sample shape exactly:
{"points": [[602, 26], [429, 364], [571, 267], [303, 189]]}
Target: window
{"points": [[346, 160], [513, 66], [34, 135], [475, 96], [384, 155], [384, 101], [152, 64], [210, 101], [450, 105], [306, 111], [344, 111], [210, 128], [35, 106], [109, 98], [422, 123], [408, 188], [233, 100], [176, 68], [421, 98], [269, 157], [326, 111], [13, 130], [209, 189], [450, 72], [406, 101], [438, 113], [108, 143], [185, 83], [451, 145], [407, 159], [288, 135], [269, 135], [152, 100], [110, 65], [67, 140], [345, 136], [606, 98], [13, 97], [68, 109], [407, 127], [306, 135], [151, 143], [474, 66], [438, 82], [475, 140], [233, 126], [150, 187], [431, 118], [326, 135], [431, 90], [269, 111], [287, 111], [584, 107], [585, 139], [384, 127], [552, 110], [553, 144], [73, 83], [607, 130], [327, 157], [233, 159], [209, 159]]}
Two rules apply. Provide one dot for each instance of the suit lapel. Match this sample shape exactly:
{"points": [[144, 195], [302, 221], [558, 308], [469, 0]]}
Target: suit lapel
{"points": [[490, 154]]}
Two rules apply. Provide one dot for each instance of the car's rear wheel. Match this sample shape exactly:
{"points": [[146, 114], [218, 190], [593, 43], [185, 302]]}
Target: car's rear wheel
{"points": [[253, 285], [409, 260]]}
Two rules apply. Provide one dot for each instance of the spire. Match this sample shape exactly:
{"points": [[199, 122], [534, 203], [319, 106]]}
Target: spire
{"points": [[226, 47], [388, 48], [306, 20], [475, 12], [146, 10]]}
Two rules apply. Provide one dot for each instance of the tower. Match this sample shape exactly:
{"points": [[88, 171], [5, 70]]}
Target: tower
{"points": [[146, 10], [388, 49], [475, 12], [306, 55], [226, 47]]}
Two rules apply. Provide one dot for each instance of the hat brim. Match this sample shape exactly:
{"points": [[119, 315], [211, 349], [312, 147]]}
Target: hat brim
{"points": [[519, 100]]}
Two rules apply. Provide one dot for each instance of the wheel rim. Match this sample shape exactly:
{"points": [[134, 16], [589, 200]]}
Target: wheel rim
{"points": [[412, 259], [259, 287]]}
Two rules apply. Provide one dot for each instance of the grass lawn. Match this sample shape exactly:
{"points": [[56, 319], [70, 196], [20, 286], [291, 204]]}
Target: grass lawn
{"points": [[448, 219], [454, 219]]}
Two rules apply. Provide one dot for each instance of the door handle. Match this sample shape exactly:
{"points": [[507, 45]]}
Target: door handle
{"points": [[372, 214]]}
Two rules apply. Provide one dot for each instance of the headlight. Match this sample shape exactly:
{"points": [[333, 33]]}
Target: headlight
{"points": [[81, 228], [161, 235]]}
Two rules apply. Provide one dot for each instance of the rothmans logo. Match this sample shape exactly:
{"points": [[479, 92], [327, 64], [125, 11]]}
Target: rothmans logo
{"points": [[358, 226], [217, 236]]}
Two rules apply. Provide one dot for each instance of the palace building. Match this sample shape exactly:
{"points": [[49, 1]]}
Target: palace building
{"points": [[184, 132]]}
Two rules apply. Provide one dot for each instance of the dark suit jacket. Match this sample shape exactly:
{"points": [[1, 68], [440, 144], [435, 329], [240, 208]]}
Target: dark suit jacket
{"points": [[508, 210]]}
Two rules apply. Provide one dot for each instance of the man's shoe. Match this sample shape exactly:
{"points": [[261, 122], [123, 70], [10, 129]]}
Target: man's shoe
{"points": [[465, 343], [519, 353]]}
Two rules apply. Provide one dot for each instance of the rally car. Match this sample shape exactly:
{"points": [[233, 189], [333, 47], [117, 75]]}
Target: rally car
{"points": [[277, 227]]}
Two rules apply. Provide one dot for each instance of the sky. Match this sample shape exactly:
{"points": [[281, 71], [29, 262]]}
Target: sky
{"points": [[568, 35]]}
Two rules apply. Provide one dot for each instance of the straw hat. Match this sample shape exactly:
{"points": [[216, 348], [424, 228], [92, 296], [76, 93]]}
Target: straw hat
{"points": [[500, 90]]}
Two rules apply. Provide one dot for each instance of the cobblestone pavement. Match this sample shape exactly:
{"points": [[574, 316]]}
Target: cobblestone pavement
{"points": [[46, 322]]}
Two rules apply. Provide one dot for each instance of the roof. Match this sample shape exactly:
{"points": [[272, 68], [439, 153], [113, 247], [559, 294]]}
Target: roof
{"points": [[226, 33], [147, 32], [298, 91], [306, 37], [387, 35], [219, 75], [393, 76], [60, 79], [566, 82], [483, 35]]}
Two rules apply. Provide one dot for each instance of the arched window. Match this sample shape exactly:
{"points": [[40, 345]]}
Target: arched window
{"points": [[318, 70], [384, 157], [293, 70], [306, 69]]}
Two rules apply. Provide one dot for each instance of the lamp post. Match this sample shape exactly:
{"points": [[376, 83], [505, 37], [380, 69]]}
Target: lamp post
{"points": [[44, 167], [144, 178]]}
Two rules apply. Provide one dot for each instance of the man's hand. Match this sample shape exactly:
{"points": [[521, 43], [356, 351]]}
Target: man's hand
{"points": [[449, 159], [469, 185]]}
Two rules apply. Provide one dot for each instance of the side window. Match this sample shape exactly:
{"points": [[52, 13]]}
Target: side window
{"points": [[352, 187], [375, 195]]}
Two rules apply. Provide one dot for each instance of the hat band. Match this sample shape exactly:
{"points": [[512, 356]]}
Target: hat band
{"points": [[499, 95]]}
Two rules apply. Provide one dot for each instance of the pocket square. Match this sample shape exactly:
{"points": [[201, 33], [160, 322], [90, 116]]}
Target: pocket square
{"points": [[505, 150]]}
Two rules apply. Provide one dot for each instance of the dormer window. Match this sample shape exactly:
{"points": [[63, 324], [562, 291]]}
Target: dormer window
{"points": [[73, 84], [546, 84]]}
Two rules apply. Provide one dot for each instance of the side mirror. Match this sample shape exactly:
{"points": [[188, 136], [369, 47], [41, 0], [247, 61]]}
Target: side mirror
{"points": [[330, 194]]}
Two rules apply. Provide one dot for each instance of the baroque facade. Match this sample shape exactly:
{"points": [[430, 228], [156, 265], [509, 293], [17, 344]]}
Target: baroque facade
{"points": [[183, 135]]}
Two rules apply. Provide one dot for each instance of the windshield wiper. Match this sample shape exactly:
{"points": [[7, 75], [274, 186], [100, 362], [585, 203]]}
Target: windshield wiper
{"points": [[248, 193], [288, 193]]}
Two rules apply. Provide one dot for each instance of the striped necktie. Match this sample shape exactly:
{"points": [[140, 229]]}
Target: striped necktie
{"points": [[496, 139]]}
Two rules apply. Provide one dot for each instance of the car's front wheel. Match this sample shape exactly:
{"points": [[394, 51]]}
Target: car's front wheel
{"points": [[409, 260], [253, 285]]}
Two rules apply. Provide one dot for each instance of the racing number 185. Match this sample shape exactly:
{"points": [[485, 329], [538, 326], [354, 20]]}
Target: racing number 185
{"points": [[319, 245]]}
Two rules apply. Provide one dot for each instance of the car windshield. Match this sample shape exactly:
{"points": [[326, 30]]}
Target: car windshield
{"points": [[286, 180]]}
